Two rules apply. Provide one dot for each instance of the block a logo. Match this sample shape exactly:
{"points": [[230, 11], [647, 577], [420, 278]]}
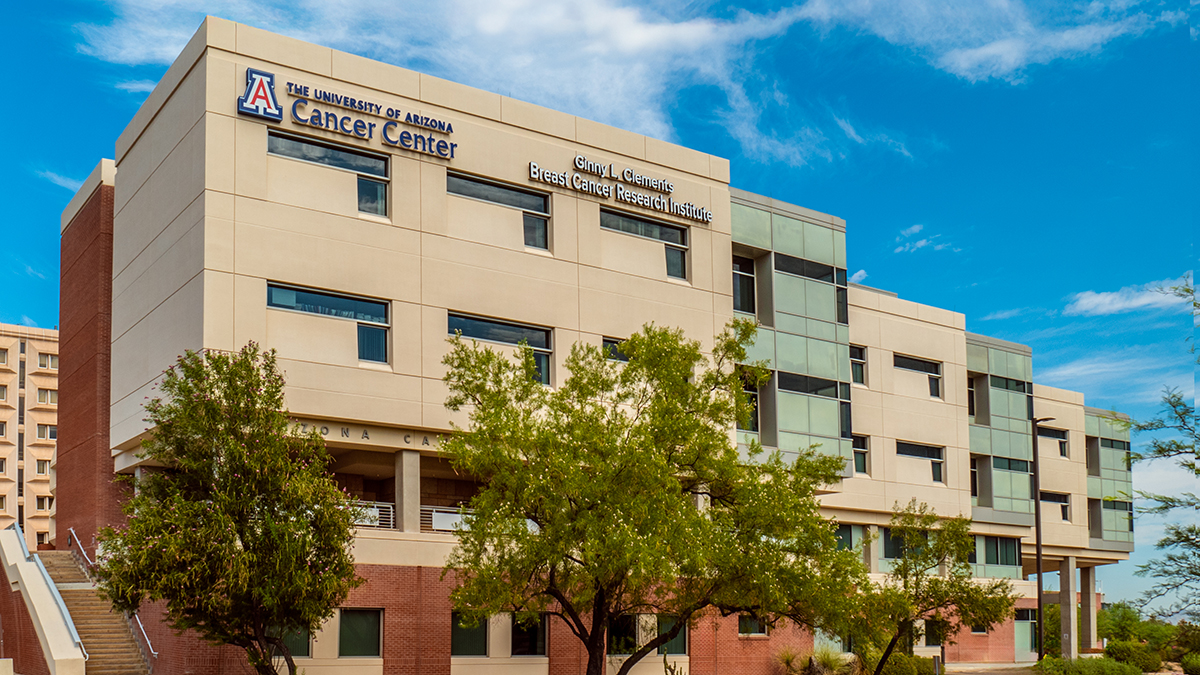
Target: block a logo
{"points": [[259, 99]]}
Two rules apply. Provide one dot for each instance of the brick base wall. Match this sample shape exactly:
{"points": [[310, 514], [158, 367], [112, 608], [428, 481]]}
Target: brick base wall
{"points": [[18, 640]]}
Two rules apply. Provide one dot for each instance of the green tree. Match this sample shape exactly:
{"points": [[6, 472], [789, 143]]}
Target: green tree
{"points": [[931, 580], [621, 493], [1118, 621], [243, 533]]}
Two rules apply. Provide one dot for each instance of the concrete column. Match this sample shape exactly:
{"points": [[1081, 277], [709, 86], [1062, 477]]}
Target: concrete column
{"points": [[874, 549], [1087, 606], [408, 491], [1068, 610]]}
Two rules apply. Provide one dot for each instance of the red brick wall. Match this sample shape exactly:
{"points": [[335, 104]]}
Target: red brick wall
{"points": [[997, 646], [18, 640], [88, 497], [714, 647]]}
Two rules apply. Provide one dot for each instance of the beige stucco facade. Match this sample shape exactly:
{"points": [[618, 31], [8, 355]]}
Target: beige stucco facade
{"points": [[28, 430]]}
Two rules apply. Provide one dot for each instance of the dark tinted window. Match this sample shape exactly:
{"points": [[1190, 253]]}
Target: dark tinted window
{"points": [[859, 442], [1060, 434], [500, 194], [536, 232], [372, 343], [327, 304], [918, 450], [919, 365], [612, 349], [529, 639], [804, 268], [467, 641], [677, 644], [622, 634], [750, 625], [325, 153], [372, 196], [498, 331], [1010, 384], [643, 228], [359, 632], [805, 384], [845, 537], [1005, 464], [1055, 497]]}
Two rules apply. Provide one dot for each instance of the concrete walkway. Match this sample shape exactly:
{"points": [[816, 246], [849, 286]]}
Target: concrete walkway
{"points": [[991, 668]]}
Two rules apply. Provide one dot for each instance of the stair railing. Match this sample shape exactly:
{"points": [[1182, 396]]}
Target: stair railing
{"points": [[133, 616], [58, 599], [75, 538]]}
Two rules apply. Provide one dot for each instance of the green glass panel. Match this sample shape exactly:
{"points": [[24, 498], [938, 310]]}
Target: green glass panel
{"points": [[820, 300], [1091, 425], [763, 347], [359, 632], [1106, 428], [789, 235], [1015, 371], [843, 334], [1000, 443], [789, 294], [791, 414], [998, 402], [981, 440], [822, 330], [843, 357], [751, 226], [794, 442], [790, 323], [1095, 489], [839, 249], [791, 353], [997, 362], [1002, 484], [977, 358], [818, 243], [822, 360], [823, 417]]}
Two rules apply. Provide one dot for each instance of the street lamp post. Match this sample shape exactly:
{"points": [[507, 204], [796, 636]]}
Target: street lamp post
{"points": [[1037, 529]]}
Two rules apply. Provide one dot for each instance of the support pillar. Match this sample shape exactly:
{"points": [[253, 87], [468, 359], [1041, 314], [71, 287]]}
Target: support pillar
{"points": [[1068, 610], [1087, 607], [874, 548], [408, 491]]}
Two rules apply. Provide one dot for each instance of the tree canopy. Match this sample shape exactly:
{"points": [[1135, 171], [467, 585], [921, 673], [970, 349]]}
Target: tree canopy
{"points": [[621, 493], [931, 580], [243, 532]]}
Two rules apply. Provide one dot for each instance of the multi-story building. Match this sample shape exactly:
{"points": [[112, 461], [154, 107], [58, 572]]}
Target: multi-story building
{"points": [[351, 215], [28, 430]]}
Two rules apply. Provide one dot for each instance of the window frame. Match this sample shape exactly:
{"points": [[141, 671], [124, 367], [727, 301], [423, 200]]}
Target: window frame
{"points": [[484, 625], [542, 627], [43, 502], [379, 651], [385, 179], [858, 375], [863, 450], [39, 464], [741, 277], [685, 247], [51, 361], [51, 432], [760, 627], [387, 309], [47, 396], [544, 216], [932, 368], [3, 357]]}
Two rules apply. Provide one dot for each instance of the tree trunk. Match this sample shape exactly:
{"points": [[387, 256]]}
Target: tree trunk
{"points": [[886, 653]]}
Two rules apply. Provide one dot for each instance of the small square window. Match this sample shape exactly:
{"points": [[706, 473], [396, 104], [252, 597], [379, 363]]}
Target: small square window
{"points": [[529, 639], [298, 642], [44, 503], [979, 630], [677, 644], [372, 196], [1062, 449], [43, 537], [750, 625], [360, 632], [3, 392], [372, 343], [536, 231], [48, 361], [48, 396], [937, 472], [43, 467], [467, 641], [3, 357]]}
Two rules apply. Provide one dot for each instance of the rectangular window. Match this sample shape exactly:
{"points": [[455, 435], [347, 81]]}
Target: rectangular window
{"points": [[622, 635], [21, 409], [805, 384], [299, 643], [612, 349], [751, 424], [970, 397], [974, 477], [371, 315], [1116, 445], [937, 472], [48, 396], [47, 432], [3, 506], [1063, 500], [1011, 385], [21, 484], [675, 238], [933, 368], [3, 429], [43, 467], [372, 194], [44, 503], [1004, 464], [467, 641], [846, 420], [22, 346], [3, 357], [858, 364], [3, 392], [20, 445], [806, 268], [536, 206], [529, 639], [48, 361], [2, 466], [360, 632], [677, 644], [918, 450], [487, 330], [845, 537], [43, 537], [843, 307], [861, 452], [1118, 505], [979, 630], [21, 381], [748, 624], [893, 547], [743, 285], [1001, 551]]}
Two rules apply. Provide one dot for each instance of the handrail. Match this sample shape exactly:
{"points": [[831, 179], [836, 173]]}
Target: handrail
{"points": [[75, 538], [146, 637], [58, 599]]}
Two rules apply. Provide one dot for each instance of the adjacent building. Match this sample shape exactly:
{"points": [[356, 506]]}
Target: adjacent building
{"points": [[28, 430], [351, 215]]}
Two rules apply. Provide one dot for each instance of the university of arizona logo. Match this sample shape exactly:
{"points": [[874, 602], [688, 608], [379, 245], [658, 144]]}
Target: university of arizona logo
{"points": [[259, 99]]}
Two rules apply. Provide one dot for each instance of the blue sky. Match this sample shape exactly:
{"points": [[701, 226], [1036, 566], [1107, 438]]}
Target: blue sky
{"points": [[1026, 164]]}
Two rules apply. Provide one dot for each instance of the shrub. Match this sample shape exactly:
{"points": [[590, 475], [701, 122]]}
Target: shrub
{"points": [[898, 663], [791, 661], [1056, 666], [924, 665], [1145, 657], [1190, 663], [827, 660], [1052, 666]]}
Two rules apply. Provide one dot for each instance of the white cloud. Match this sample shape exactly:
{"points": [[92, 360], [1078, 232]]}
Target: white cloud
{"points": [[1128, 299], [906, 243], [137, 86], [1132, 375], [32, 272], [910, 231], [1002, 314], [858, 277], [61, 181], [623, 63], [26, 321]]}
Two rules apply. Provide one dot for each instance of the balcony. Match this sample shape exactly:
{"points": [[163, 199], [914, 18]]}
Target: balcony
{"points": [[380, 515]]}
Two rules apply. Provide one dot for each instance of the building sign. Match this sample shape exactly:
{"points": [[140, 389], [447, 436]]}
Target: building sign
{"points": [[342, 433], [351, 116], [589, 177]]}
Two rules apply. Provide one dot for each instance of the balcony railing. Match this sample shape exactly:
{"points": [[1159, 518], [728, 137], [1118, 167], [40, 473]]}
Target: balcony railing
{"points": [[377, 514], [441, 518]]}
